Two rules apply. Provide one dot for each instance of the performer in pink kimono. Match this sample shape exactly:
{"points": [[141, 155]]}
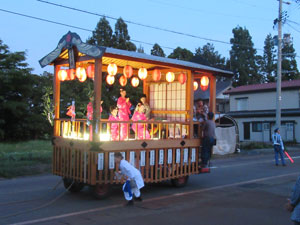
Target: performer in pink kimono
{"points": [[139, 115], [114, 127], [124, 112], [89, 116]]}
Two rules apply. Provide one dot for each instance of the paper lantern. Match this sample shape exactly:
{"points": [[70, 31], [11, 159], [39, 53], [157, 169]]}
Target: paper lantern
{"points": [[182, 78], [170, 77], [91, 71], [123, 80], [156, 75], [127, 71], [204, 83], [195, 85], [71, 74], [135, 81], [81, 74], [62, 75], [110, 79], [142, 73], [112, 69]]}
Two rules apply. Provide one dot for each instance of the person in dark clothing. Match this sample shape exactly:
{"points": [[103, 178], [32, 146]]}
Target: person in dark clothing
{"points": [[209, 137]]}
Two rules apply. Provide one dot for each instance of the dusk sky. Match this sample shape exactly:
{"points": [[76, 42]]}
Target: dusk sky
{"points": [[213, 19]]}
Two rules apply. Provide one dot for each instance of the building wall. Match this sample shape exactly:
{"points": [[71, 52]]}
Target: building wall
{"points": [[259, 136], [266, 100]]}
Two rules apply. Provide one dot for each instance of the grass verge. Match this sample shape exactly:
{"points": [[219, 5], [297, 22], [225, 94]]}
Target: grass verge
{"points": [[25, 158]]}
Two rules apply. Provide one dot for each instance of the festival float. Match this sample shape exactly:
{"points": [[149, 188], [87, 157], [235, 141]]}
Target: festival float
{"points": [[83, 148]]}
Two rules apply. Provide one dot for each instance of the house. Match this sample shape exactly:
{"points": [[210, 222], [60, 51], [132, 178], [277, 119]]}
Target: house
{"points": [[254, 109], [222, 101]]}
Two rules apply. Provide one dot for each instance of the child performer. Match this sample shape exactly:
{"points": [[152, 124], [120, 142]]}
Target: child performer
{"points": [[142, 130], [114, 127], [134, 180], [124, 112]]}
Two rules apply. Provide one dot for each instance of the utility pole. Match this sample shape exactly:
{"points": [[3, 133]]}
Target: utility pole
{"points": [[278, 86]]}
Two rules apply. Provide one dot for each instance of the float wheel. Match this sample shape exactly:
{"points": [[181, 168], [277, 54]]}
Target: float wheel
{"points": [[180, 182], [76, 186], [101, 191]]}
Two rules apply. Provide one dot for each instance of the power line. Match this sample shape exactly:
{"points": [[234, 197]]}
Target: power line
{"points": [[138, 24], [72, 26]]}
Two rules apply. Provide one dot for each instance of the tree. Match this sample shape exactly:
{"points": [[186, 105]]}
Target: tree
{"points": [[140, 49], [268, 60], [243, 58], [208, 56], [181, 54], [102, 35], [20, 104], [121, 38], [157, 50], [289, 63]]}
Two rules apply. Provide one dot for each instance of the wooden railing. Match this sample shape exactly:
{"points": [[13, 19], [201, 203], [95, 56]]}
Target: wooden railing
{"points": [[79, 129], [99, 167]]}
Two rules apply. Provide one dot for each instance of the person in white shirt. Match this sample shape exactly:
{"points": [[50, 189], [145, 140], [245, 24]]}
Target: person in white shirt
{"points": [[134, 180], [278, 147]]}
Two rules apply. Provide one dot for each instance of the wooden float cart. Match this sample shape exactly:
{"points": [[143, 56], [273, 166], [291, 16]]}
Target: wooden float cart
{"points": [[172, 153]]}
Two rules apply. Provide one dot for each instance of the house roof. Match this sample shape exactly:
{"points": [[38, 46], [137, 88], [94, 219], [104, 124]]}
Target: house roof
{"points": [[263, 113], [264, 87], [93, 51], [221, 86]]}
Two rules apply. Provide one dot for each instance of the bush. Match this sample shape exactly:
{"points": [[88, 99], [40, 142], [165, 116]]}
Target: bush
{"points": [[255, 145]]}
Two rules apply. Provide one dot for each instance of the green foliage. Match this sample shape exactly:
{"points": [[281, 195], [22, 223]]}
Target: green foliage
{"points": [[121, 38], [243, 58], [255, 145], [25, 158], [102, 35], [268, 63], [140, 49], [289, 63], [157, 50], [181, 54], [208, 56], [20, 102]]}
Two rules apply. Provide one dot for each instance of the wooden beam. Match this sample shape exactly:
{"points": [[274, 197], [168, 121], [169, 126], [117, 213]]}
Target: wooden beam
{"points": [[56, 97], [212, 94], [97, 98], [190, 102]]}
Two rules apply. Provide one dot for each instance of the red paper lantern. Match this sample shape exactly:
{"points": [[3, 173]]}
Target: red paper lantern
{"points": [[156, 75], [127, 71], [135, 81], [112, 69], [195, 85], [204, 83], [81, 74], [91, 71], [123, 80], [71, 74], [170, 77], [182, 78], [142, 73], [110, 79], [62, 75]]}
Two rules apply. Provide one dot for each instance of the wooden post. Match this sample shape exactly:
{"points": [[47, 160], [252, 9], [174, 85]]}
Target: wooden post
{"points": [[190, 101], [56, 96], [212, 94], [97, 98]]}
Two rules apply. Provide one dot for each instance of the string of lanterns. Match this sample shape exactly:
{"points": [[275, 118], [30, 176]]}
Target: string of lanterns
{"points": [[112, 69]]}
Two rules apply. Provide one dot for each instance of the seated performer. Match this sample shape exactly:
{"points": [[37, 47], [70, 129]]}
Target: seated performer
{"points": [[143, 100], [139, 128], [114, 127]]}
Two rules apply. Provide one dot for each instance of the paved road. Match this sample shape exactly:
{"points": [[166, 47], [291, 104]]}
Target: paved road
{"points": [[245, 189]]}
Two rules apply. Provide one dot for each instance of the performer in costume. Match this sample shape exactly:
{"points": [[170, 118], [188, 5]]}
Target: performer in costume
{"points": [[124, 105], [278, 147], [134, 180], [147, 110], [114, 127], [140, 128]]}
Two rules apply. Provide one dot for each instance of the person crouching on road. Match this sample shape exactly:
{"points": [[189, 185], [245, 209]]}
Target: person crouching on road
{"points": [[278, 147], [134, 180]]}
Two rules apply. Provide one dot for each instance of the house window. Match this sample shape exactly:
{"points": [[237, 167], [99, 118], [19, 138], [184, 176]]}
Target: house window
{"points": [[256, 127], [241, 104]]}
